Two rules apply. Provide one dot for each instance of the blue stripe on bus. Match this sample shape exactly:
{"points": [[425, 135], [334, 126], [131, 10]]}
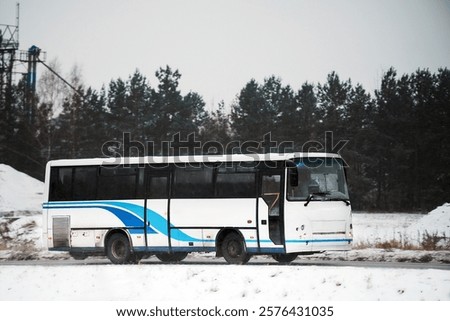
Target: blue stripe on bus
{"points": [[302, 241], [130, 215], [128, 218], [318, 240]]}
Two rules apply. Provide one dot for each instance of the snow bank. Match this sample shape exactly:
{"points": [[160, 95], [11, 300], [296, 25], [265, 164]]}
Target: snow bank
{"points": [[407, 229], [20, 214], [18, 191], [435, 222]]}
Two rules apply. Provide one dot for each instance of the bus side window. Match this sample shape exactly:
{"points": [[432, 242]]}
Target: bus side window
{"points": [[193, 181], [236, 185], [117, 183], [60, 184], [157, 188], [85, 183]]}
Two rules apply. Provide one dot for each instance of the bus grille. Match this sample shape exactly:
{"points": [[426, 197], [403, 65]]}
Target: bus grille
{"points": [[61, 231]]}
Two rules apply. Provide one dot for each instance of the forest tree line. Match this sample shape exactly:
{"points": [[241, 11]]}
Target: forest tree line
{"points": [[396, 141]]}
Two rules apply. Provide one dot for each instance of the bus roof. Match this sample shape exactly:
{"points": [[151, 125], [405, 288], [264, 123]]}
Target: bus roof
{"points": [[186, 159]]}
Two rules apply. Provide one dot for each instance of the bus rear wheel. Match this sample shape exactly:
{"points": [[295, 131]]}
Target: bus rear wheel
{"points": [[118, 249], [172, 257], [233, 249], [285, 258]]}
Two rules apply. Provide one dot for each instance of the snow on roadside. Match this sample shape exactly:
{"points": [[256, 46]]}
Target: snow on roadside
{"points": [[18, 191], [406, 229], [20, 214], [437, 221]]}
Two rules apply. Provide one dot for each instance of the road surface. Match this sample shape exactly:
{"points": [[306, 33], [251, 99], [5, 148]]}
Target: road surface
{"points": [[261, 260]]}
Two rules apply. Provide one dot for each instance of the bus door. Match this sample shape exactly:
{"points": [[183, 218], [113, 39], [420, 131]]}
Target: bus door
{"points": [[270, 209], [156, 214]]}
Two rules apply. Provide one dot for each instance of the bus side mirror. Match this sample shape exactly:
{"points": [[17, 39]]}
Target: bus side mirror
{"points": [[293, 177]]}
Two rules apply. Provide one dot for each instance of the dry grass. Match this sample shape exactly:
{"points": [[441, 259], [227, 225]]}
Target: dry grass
{"points": [[19, 248], [4, 237], [429, 242], [25, 251], [3, 245], [395, 244]]}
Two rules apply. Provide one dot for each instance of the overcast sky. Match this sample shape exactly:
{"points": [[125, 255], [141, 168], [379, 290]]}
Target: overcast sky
{"points": [[218, 46]]}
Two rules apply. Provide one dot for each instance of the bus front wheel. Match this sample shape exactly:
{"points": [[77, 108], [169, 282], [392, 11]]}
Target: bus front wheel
{"points": [[233, 249], [118, 249]]}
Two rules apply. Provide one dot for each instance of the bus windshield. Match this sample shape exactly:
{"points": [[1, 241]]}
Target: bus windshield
{"points": [[317, 178]]}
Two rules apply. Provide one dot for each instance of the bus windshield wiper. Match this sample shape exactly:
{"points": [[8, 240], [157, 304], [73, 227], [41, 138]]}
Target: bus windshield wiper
{"points": [[346, 201], [311, 196]]}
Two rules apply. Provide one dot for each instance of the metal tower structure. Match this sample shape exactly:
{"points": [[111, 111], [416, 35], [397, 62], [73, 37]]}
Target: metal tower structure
{"points": [[9, 44], [9, 56]]}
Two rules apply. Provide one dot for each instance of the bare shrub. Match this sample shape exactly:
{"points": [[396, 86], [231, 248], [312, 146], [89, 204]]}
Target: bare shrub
{"points": [[430, 241], [434, 241]]}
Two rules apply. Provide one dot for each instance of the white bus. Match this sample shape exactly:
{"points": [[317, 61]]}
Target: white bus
{"points": [[235, 205]]}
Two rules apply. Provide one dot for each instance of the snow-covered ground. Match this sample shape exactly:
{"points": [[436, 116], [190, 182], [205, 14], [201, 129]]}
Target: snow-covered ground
{"points": [[21, 227], [220, 282], [18, 191]]}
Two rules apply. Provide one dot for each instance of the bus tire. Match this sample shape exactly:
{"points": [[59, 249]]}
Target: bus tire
{"points": [[135, 258], [233, 249], [172, 257], [118, 249], [285, 258]]}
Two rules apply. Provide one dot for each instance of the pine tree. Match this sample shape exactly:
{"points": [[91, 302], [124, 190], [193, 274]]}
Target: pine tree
{"points": [[138, 107], [261, 110], [306, 101], [216, 127], [177, 115], [394, 125], [333, 99], [361, 137], [168, 101], [191, 116]]}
